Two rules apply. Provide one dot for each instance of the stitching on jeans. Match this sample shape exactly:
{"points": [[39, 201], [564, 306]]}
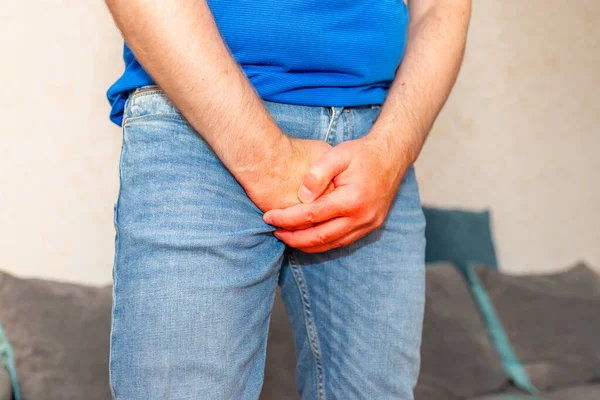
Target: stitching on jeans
{"points": [[153, 90], [170, 115], [309, 323], [349, 124], [146, 89], [146, 92]]}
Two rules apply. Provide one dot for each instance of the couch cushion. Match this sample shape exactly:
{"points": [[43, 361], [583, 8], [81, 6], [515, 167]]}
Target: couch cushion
{"points": [[580, 392], [459, 237], [457, 357], [509, 396], [60, 337], [430, 392], [509, 392], [5, 385], [551, 321], [7, 365]]}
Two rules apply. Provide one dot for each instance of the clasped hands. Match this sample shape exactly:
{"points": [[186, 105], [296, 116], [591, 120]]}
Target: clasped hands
{"points": [[342, 192]]}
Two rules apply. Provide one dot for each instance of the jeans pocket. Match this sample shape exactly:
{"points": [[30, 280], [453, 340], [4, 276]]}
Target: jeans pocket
{"points": [[149, 101], [147, 89]]}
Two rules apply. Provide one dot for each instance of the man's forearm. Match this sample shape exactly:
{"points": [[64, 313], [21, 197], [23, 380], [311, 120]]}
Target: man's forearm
{"points": [[436, 41], [179, 45]]}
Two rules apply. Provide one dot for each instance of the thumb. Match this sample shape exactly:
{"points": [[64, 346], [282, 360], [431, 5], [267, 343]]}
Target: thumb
{"points": [[321, 173]]}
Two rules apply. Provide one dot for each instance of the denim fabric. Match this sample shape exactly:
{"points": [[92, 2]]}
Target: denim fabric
{"points": [[196, 270]]}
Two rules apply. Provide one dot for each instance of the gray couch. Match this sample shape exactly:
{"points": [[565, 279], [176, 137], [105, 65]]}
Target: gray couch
{"points": [[549, 324], [5, 387], [59, 333]]}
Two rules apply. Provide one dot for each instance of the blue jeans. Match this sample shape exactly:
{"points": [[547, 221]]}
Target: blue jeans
{"points": [[196, 269]]}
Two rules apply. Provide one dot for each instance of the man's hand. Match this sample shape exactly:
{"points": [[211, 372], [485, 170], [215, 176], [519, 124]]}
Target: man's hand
{"points": [[274, 183], [179, 45], [367, 172], [366, 176]]}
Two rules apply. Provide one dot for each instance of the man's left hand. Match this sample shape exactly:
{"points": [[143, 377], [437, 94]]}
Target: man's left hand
{"points": [[366, 175]]}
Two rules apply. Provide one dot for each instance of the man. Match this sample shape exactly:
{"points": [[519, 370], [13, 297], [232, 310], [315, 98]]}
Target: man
{"points": [[266, 142]]}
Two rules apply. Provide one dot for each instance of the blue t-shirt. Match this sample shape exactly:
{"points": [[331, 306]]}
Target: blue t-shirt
{"points": [[309, 52]]}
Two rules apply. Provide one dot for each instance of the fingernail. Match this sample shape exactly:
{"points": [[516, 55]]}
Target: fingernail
{"points": [[304, 194], [267, 219]]}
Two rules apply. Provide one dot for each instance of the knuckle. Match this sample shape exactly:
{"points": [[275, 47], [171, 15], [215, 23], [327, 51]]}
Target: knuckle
{"points": [[379, 220], [372, 216], [309, 215], [355, 200]]}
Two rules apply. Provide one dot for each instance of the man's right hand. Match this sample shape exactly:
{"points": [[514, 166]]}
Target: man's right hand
{"points": [[276, 183], [179, 45]]}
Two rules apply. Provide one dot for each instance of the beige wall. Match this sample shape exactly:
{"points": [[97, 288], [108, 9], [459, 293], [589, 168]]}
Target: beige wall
{"points": [[59, 153], [519, 135], [521, 132]]}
